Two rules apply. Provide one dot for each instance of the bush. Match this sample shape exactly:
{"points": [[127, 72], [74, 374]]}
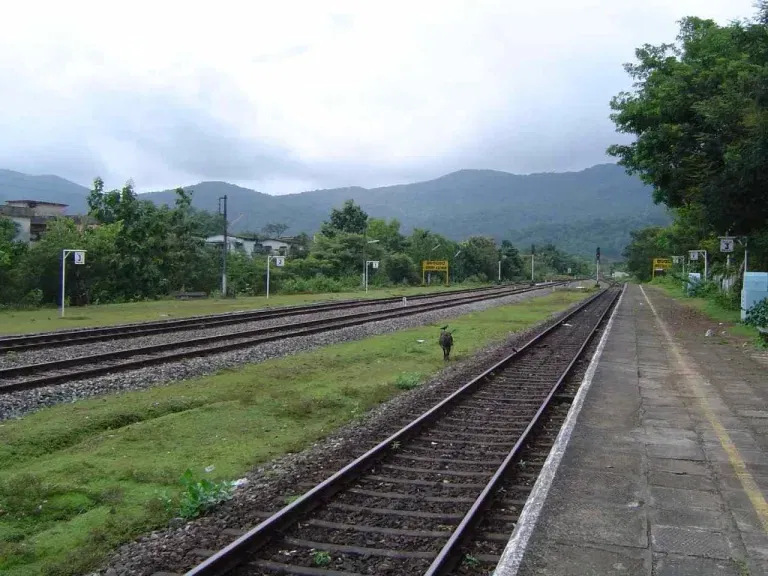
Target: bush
{"points": [[757, 315], [318, 284]]}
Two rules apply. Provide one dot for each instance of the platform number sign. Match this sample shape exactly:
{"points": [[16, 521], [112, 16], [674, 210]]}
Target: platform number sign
{"points": [[375, 264], [726, 244], [693, 254], [280, 261], [79, 257]]}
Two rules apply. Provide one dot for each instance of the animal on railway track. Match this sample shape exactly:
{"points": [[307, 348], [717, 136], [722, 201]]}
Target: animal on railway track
{"points": [[446, 341]]}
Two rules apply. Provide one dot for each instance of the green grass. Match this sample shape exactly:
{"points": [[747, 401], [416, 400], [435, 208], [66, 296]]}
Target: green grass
{"points": [[706, 306], [76, 480], [46, 319]]}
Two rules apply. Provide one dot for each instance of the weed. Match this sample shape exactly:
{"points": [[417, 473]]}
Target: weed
{"points": [[292, 498], [395, 445], [408, 381], [471, 561], [199, 496], [742, 567], [321, 558]]}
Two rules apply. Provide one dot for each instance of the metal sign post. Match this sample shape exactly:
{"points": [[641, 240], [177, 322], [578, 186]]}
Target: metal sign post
{"points": [[79, 260], [375, 264], [279, 262], [726, 247], [694, 255]]}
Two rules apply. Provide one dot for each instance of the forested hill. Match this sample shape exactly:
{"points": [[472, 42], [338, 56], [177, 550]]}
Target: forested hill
{"points": [[576, 210]]}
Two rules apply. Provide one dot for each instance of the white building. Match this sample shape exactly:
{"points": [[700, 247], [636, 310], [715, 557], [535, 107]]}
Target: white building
{"points": [[275, 246], [233, 243], [31, 216]]}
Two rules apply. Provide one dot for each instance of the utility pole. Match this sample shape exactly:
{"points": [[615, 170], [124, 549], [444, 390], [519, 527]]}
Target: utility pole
{"points": [[225, 247]]}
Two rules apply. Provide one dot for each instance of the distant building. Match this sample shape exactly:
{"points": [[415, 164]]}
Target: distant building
{"points": [[617, 274], [233, 243], [32, 217], [275, 246]]}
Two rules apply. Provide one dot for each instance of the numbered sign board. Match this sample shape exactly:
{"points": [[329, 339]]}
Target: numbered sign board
{"points": [[726, 244], [375, 264], [280, 261], [79, 257], [693, 254]]}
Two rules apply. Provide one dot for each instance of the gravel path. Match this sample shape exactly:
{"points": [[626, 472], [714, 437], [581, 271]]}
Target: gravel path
{"points": [[36, 356], [17, 404], [268, 485]]}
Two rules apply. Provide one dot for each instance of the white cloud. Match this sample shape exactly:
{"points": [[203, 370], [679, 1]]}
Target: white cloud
{"points": [[307, 93]]}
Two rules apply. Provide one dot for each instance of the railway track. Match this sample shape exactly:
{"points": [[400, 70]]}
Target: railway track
{"points": [[87, 335], [30, 376], [411, 504]]}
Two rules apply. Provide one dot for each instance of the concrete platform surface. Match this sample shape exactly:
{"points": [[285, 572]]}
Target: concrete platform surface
{"points": [[664, 472]]}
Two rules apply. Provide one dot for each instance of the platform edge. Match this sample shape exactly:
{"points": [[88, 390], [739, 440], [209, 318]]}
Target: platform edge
{"points": [[513, 553]]}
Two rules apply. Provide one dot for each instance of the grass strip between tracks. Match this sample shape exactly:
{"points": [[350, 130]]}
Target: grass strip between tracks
{"points": [[76, 480], [47, 319]]}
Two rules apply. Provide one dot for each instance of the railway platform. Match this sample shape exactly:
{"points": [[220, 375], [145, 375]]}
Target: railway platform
{"points": [[665, 470]]}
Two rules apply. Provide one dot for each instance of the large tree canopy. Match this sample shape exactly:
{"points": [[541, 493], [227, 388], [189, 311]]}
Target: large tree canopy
{"points": [[699, 112]]}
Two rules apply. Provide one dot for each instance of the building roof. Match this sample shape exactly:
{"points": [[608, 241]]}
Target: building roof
{"points": [[36, 203]]}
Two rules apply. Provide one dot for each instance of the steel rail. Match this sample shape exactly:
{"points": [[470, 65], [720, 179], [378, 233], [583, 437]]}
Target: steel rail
{"points": [[85, 335], [449, 555], [237, 551], [253, 337]]}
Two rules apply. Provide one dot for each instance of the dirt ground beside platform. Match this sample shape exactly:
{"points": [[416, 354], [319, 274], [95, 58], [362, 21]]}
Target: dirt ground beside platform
{"points": [[731, 362]]}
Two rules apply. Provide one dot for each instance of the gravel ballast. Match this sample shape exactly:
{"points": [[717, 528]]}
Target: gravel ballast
{"points": [[17, 404], [268, 485], [35, 356]]}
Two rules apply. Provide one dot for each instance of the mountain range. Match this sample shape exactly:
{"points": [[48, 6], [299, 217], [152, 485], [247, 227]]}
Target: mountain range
{"points": [[577, 211]]}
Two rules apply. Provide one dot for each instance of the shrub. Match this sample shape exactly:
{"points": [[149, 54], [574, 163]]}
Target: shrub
{"points": [[198, 497], [757, 315]]}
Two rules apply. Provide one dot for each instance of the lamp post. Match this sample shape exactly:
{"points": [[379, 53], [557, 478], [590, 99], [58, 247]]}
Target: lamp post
{"points": [[225, 247], [429, 276], [454, 264]]}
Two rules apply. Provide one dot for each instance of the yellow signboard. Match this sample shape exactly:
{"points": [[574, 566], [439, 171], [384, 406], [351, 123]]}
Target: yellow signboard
{"points": [[434, 266], [661, 264]]}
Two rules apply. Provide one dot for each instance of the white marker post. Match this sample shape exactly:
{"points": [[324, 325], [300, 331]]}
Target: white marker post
{"points": [[375, 264], [279, 262], [694, 255], [79, 260]]}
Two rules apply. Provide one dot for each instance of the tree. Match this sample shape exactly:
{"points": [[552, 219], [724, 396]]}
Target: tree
{"points": [[350, 219], [646, 245], [274, 229], [388, 233], [700, 114], [511, 263], [399, 268]]}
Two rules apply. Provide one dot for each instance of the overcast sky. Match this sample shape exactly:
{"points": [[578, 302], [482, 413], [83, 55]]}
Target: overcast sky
{"points": [[285, 96]]}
